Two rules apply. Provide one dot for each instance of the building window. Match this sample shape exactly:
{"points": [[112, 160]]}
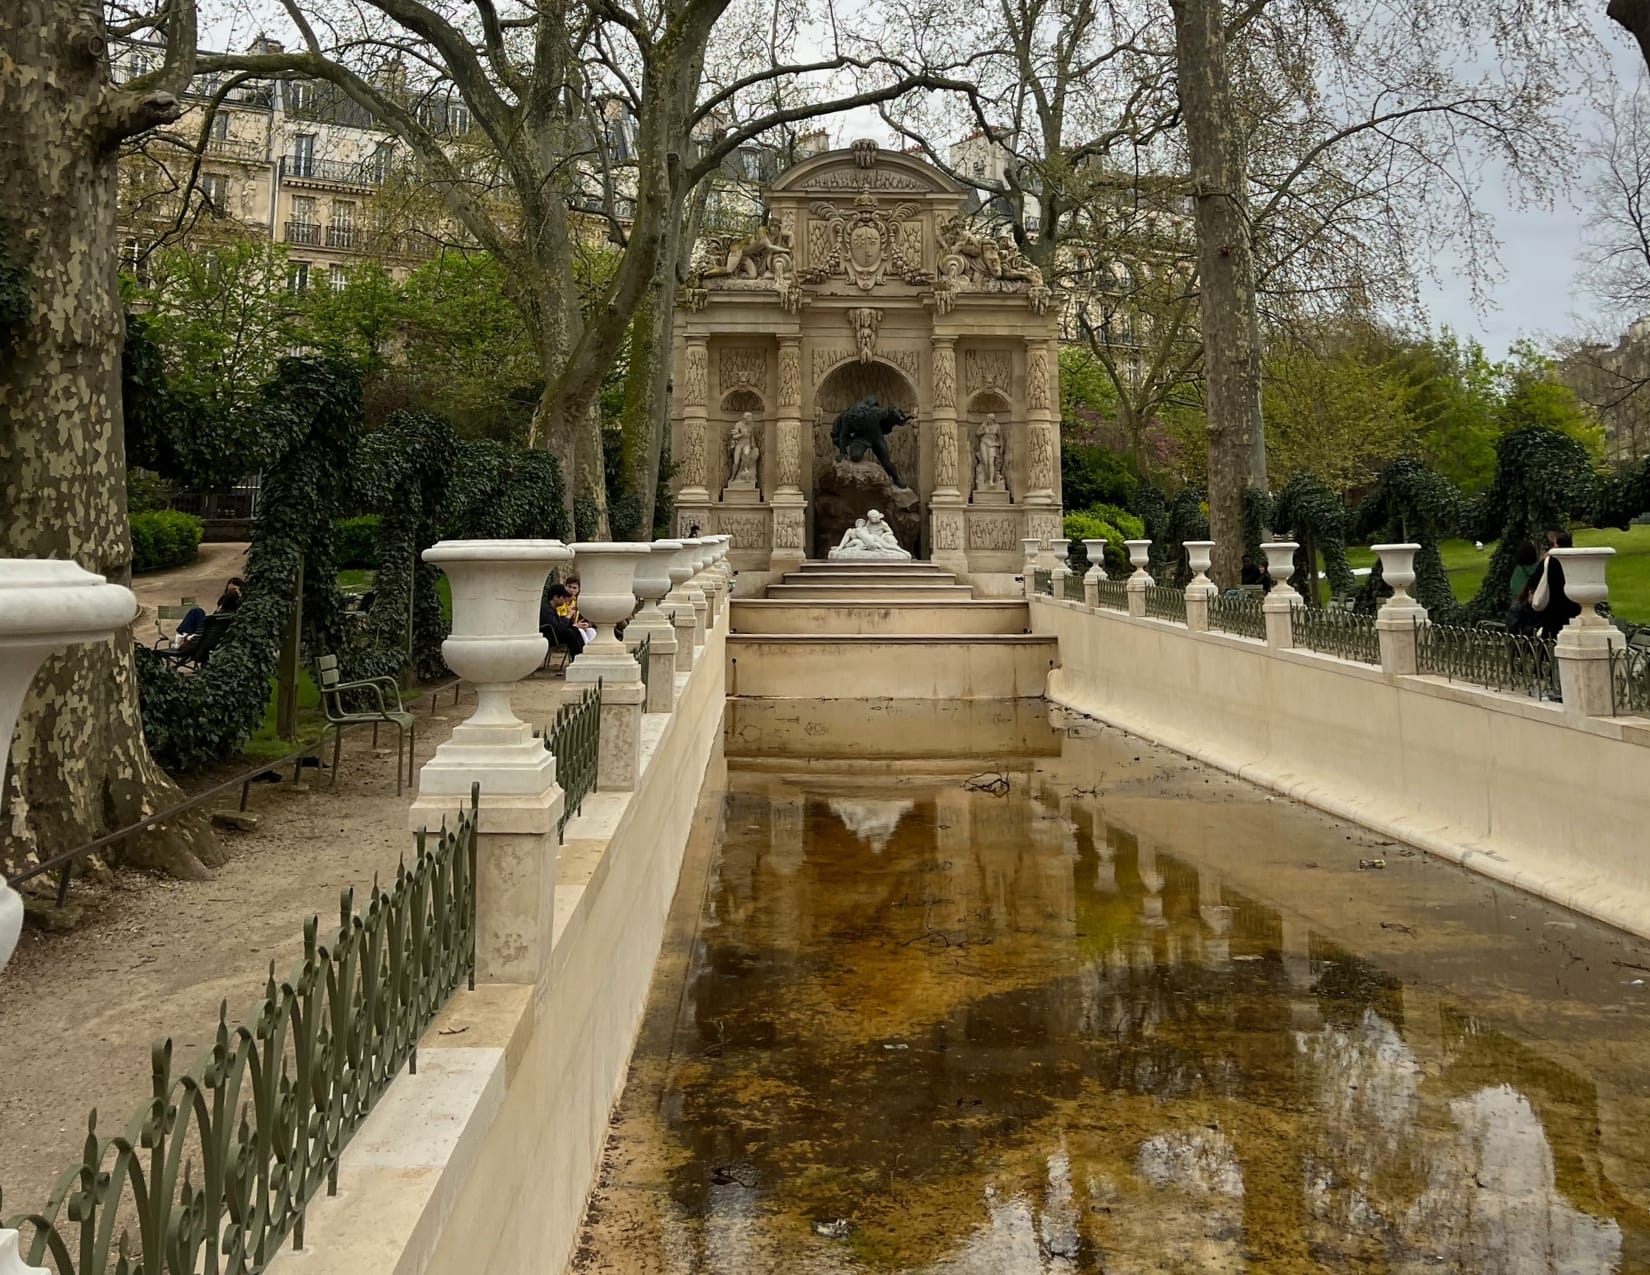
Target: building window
{"points": [[300, 96], [215, 191], [297, 277], [134, 263], [303, 155], [337, 280], [382, 156], [220, 126], [458, 119]]}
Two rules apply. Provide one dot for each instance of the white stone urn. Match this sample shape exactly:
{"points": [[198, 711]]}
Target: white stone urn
{"points": [[1585, 583], [681, 571], [1140, 553], [11, 1257], [45, 605], [1031, 546], [1398, 570], [654, 578], [1062, 556], [497, 587], [1097, 559], [1199, 554], [608, 572]]}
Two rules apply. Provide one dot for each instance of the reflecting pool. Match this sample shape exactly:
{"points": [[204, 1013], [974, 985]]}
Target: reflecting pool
{"points": [[978, 990]]}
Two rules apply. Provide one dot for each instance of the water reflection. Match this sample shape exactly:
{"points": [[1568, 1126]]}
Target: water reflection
{"points": [[1087, 1025]]}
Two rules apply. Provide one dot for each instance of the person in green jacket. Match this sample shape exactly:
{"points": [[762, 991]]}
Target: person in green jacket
{"points": [[1521, 616]]}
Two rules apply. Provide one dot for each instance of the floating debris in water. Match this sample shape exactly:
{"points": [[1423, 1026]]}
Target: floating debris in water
{"points": [[840, 1229], [1365, 865], [991, 781]]}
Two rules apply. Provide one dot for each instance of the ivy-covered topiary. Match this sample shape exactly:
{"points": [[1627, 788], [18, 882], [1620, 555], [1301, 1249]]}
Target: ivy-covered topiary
{"points": [[1315, 517], [1412, 504], [310, 422], [1187, 520], [1543, 479]]}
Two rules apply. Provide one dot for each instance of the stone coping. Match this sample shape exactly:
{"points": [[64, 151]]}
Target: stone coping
{"points": [[1630, 730], [402, 1174], [896, 639], [838, 605]]}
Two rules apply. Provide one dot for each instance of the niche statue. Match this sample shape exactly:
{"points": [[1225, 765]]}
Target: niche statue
{"points": [[863, 427]]}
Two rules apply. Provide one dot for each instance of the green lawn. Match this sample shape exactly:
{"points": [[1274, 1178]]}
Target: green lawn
{"points": [[1629, 570]]}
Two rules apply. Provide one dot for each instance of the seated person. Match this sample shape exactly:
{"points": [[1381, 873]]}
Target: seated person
{"points": [[194, 620], [554, 623], [571, 612], [1254, 575], [227, 605]]}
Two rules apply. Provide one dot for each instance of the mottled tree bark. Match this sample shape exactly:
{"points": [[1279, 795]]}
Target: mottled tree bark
{"points": [[1634, 15], [1226, 277], [80, 768]]}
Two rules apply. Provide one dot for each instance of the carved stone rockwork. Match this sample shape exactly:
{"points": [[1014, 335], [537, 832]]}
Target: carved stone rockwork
{"points": [[945, 375], [948, 531], [763, 255], [693, 452], [790, 374], [877, 179], [993, 531], [787, 527], [742, 369], [969, 262], [987, 370], [1037, 379], [1040, 456], [907, 361], [827, 357], [1044, 526], [790, 452], [945, 454], [864, 321], [749, 531], [694, 376]]}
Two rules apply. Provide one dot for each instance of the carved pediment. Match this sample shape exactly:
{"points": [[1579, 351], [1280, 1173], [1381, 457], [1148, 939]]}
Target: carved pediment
{"points": [[865, 243]]}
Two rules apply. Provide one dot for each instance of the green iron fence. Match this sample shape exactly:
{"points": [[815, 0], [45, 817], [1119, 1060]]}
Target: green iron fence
{"points": [[1074, 587], [643, 650], [1113, 594], [1494, 658], [1164, 602], [1338, 632], [216, 1170], [1043, 582], [1238, 613], [1629, 680], [576, 739]]}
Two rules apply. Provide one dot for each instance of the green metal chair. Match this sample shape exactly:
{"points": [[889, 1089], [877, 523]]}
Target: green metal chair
{"points": [[334, 702]]}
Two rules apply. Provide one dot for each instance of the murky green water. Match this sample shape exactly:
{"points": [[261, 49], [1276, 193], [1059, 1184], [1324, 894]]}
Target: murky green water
{"points": [[1010, 998]]}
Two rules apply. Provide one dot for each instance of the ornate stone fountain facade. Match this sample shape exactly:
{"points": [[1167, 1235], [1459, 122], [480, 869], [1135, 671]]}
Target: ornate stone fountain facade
{"points": [[866, 282]]}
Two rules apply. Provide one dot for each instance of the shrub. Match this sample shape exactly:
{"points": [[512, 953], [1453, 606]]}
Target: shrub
{"points": [[163, 538], [358, 541], [1092, 476], [146, 492], [1090, 525]]}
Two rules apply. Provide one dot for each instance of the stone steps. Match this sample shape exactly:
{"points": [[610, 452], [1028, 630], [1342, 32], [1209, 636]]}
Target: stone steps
{"points": [[866, 594], [875, 617]]}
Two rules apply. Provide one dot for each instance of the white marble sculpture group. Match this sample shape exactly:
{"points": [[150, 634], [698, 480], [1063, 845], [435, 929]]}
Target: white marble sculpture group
{"points": [[869, 537]]}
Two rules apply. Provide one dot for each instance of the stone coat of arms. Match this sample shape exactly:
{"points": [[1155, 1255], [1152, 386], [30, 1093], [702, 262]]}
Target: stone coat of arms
{"points": [[864, 243]]}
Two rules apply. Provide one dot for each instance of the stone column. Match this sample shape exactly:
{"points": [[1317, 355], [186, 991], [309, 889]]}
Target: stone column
{"points": [[495, 643], [1585, 644], [945, 505], [1141, 580], [1201, 589], [1280, 604], [789, 504], [1042, 456], [609, 595], [1396, 620], [693, 500]]}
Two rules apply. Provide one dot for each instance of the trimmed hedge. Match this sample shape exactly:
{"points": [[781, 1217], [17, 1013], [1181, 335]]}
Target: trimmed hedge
{"points": [[163, 538], [358, 541]]}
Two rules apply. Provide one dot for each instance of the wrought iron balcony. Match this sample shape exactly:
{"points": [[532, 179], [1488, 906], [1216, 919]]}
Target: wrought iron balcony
{"points": [[307, 233], [341, 235], [333, 172], [235, 148]]}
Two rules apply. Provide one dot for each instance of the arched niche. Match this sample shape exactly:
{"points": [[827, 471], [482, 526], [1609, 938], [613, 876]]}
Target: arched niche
{"points": [[735, 403], [984, 403], [850, 382]]}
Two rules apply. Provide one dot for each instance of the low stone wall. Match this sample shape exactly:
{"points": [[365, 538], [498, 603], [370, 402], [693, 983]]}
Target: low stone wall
{"points": [[1520, 790], [956, 667], [482, 1162]]}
